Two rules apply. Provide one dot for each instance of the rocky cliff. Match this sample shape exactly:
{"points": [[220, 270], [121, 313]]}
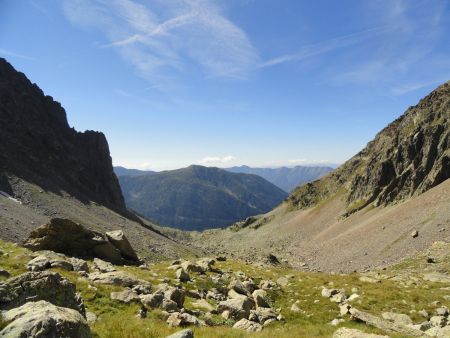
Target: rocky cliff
{"points": [[408, 157], [37, 145]]}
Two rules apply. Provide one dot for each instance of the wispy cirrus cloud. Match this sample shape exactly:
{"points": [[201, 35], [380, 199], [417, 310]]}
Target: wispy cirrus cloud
{"points": [[402, 58], [5, 52], [161, 37], [216, 159], [323, 47]]}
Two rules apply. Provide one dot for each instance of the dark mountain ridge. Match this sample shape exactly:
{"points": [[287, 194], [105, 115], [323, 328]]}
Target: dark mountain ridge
{"points": [[408, 157], [37, 145], [196, 197]]}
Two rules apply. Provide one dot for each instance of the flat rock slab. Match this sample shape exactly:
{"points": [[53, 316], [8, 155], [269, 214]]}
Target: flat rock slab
{"points": [[344, 332]]}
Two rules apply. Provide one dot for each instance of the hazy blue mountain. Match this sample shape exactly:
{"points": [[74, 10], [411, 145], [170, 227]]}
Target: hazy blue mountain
{"points": [[197, 198], [284, 177], [121, 171]]}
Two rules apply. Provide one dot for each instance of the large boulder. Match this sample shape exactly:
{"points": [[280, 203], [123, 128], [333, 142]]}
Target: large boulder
{"points": [[73, 239], [35, 286], [44, 320], [118, 239]]}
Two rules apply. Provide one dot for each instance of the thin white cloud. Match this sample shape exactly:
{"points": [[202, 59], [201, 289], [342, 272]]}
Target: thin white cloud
{"points": [[413, 86], [324, 47], [164, 36], [402, 58], [216, 159], [5, 52]]}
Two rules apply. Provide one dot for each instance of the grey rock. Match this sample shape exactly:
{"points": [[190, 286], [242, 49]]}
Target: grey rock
{"points": [[247, 325], [177, 319], [182, 275], [398, 318], [126, 296], [102, 266], [44, 320], [187, 333], [61, 264], [238, 308], [39, 263], [345, 332], [116, 278], [35, 286], [120, 241]]}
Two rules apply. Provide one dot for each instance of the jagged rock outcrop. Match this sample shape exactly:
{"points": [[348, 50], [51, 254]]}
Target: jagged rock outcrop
{"points": [[73, 239], [408, 157], [37, 144]]}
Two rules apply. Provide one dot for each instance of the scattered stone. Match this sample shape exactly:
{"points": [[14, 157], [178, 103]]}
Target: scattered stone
{"points": [[238, 308], [152, 301], [61, 264], [102, 266], [202, 304], [35, 286], [437, 277], [39, 263], [116, 278], [328, 293], [189, 267], [237, 286], [206, 264], [442, 311], [43, 319], [339, 297], [336, 321], [79, 264], [182, 275], [397, 318], [367, 279], [177, 319], [414, 234], [260, 297], [120, 241], [142, 289], [187, 333], [247, 325], [439, 321], [91, 317], [267, 285], [126, 296], [384, 324], [344, 309], [263, 314], [345, 332], [4, 273], [295, 308], [353, 297], [282, 281], [221, 258]]}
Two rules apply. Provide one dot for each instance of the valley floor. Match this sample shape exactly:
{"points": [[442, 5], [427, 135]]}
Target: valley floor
{"points": [[416, 287]]}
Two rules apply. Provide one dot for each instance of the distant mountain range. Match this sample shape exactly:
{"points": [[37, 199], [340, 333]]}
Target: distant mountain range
{"points": [[121, 171], [285, 178], [197, 198]]}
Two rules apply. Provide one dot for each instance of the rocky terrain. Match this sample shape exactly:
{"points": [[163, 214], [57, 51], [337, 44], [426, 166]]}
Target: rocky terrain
{"points": [[217, 297], [367, 209], [49, 170], [285, 178], [198, 198], [37, 145]]}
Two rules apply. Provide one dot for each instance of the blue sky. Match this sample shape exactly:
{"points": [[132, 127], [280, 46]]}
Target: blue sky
{"points": [[230, 82]]}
